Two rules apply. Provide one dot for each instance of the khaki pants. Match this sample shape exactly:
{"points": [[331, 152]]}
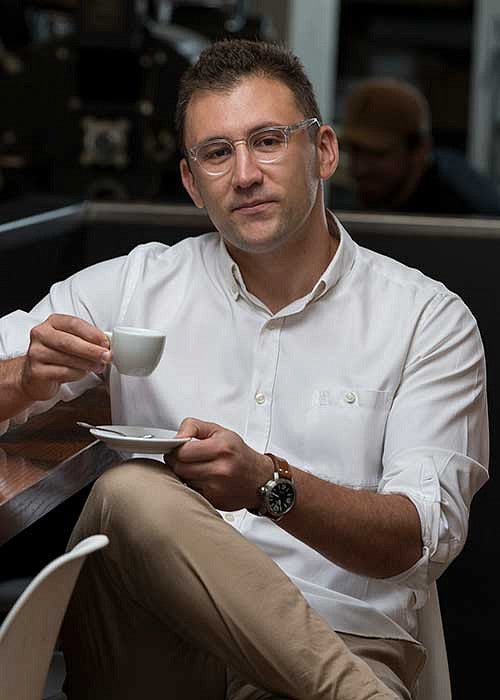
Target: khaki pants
{"points": [[181, 606]]}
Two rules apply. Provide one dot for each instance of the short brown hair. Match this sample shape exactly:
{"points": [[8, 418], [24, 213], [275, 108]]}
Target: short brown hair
{"points": [[223, 64]]}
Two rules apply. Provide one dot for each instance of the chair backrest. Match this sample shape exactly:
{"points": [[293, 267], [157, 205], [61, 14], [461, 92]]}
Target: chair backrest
{"points": [[29, 632], [434, 683]]}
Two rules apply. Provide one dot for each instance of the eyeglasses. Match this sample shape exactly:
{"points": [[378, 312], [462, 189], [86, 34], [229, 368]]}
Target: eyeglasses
{"points": [[267, 145]]}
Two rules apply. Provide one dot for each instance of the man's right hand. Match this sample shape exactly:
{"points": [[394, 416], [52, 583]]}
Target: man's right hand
{"points": [[62, 349]]}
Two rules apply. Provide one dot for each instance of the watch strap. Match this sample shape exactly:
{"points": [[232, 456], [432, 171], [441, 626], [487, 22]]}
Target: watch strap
{"points": [[281, 466]]}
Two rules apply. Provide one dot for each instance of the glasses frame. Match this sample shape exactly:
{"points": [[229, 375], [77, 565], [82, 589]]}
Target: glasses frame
{"points": [[286, 131]]}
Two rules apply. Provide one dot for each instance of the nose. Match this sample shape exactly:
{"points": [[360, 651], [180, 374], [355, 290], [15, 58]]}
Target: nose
{"points": [[246, 171]]}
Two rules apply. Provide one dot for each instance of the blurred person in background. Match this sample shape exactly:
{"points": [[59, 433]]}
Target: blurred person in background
{"points": [[387, 134]]}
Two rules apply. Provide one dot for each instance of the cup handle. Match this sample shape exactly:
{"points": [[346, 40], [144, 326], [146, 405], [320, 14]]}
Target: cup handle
{"points": [[109, 336]]}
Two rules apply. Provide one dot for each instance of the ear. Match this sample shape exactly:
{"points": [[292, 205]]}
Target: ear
{"points": [[328, 151], [190, 185]]}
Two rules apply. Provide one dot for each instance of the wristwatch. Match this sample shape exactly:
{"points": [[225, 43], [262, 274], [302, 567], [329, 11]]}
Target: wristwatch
{"points": [[278, 494]]}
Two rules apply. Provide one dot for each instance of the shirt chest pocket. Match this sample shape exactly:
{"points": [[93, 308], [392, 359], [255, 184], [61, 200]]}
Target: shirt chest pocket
{"points": [[344, 435]]}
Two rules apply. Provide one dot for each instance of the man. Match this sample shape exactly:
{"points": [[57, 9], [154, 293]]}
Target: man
{"points": [[387, 135], [338, 403]]}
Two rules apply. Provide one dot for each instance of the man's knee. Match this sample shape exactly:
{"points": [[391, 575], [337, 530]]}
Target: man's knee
{"points": [[135, 497], [136, 478]]}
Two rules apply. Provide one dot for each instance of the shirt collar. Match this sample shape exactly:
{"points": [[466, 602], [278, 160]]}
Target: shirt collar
{"points": [[338, 268], [229, 270], [341, 263]]}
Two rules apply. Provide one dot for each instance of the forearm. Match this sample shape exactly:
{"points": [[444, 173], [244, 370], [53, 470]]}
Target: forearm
{"points": [[367, 533], [370, 534], [13, 397]]}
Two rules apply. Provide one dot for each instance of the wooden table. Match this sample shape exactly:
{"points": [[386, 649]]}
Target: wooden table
{"points": [[49, 459]]}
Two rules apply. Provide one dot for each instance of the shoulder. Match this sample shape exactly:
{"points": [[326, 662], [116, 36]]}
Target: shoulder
{"points": [[116, 280], [381, 281], [406, 293], [422, 315], [186, 247], [196, 246], [394, 275], [158, 255]]}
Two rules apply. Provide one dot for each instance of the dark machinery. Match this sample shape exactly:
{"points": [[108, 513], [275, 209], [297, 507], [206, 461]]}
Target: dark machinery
{"points": [[87, 94]]}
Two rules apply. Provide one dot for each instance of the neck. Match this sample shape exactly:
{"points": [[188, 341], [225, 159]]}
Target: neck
{"points": [[281, 276]]}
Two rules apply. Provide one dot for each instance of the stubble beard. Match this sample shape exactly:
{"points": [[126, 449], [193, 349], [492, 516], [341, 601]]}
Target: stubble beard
{"points": [[236, 238]]}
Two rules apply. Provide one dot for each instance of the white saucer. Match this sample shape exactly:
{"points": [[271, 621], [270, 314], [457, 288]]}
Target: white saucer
{"points": [[163, 441]]}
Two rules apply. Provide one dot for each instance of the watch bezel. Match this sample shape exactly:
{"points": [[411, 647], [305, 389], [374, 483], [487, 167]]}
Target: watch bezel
{"points": [[268, 490], [281, 474]]}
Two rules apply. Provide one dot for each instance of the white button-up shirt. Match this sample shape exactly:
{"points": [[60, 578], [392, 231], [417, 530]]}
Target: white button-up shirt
{"points": [[374, 380]]}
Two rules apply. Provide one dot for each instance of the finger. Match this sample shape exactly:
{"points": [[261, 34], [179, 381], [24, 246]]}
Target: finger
{"points": [[46, 356], [206, 450], [55, 373], [61, 341], [195, 427], [199, 472], [79, 327]]}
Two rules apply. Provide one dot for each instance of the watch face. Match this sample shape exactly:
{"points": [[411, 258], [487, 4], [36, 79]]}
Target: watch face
{"points": [[281, 497]]}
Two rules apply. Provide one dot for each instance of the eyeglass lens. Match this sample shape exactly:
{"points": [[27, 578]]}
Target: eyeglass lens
{"points": [[265, 145]]}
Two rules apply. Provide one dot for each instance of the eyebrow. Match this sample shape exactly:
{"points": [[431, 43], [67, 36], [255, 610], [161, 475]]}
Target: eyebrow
{"points": [[258, 127]]}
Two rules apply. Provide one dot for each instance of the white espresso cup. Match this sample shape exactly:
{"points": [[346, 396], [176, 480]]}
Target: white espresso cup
{"points": [[136, 351]]}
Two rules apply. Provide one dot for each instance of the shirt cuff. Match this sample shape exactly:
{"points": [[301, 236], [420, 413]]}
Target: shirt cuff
{"points": [[67, 392], [440, 486]]}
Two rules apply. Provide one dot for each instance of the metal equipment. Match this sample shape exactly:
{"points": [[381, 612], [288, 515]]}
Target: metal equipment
{"points": [[87, 105]]}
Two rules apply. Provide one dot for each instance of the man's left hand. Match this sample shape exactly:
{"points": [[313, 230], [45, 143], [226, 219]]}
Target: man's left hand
{"points": [[219, 465]]}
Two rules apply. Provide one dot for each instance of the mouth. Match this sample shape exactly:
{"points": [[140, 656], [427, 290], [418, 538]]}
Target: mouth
{"points": [[254, 207]]}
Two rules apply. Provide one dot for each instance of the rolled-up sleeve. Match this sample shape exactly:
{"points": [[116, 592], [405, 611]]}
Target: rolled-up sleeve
{"points": [[436, 448], [97, 294]]}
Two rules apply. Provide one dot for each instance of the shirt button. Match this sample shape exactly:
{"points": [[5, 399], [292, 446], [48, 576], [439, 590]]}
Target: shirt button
{"points": [[260, 398], [350, 397], [319, 289], [229, 517]]}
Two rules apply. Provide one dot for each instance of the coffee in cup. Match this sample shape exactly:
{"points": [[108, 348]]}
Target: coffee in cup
{"points": [[136, 351]]}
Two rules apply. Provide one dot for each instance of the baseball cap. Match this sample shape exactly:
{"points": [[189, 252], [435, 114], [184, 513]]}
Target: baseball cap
{"points": [[381, 112]]}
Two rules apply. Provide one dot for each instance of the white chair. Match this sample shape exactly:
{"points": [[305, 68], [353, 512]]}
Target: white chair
{"points": [[434, 683], [29, 632]]}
